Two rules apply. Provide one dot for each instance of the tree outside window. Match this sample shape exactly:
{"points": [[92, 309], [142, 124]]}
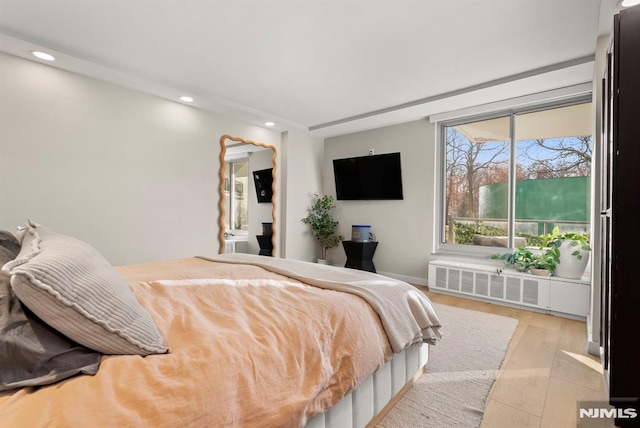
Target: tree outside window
{"points": [[551, 158]]}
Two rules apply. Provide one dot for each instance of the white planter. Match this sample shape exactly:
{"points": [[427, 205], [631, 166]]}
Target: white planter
{"points": [[570, 266], [323, 262]]}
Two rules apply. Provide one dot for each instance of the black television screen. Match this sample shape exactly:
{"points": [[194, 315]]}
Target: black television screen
{"points": [[263, 181], [368, 177]]}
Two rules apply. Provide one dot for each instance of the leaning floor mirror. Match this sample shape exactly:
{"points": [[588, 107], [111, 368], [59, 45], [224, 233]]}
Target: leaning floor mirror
{"points": [[247, 196]]}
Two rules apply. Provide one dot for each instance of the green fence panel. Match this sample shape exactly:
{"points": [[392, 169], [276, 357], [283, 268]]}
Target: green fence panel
{"points": [[544, 199]]}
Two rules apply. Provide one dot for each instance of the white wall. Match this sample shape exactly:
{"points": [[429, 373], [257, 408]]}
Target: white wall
{"points": [[404, 229], [132, 174], [302, 172]]}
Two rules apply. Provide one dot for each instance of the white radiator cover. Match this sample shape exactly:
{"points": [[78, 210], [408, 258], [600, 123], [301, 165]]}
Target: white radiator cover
{"points": [[558, 296], [235, 246]]}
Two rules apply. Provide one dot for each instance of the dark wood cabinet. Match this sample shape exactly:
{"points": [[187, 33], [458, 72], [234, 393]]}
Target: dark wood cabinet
{"points": [[620, 215]]}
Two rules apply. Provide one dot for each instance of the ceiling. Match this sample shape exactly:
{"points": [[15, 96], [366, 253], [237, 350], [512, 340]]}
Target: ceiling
{"points": [[325, 66]]}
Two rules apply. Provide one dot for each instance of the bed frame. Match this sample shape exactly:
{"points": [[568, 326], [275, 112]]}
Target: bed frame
{"points": [[373, 399]]}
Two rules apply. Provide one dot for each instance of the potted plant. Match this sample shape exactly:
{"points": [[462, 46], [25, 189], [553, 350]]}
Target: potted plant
{"points": [[574, 252], [520, 258], [525, 260], [322, 224], [546, 262]]}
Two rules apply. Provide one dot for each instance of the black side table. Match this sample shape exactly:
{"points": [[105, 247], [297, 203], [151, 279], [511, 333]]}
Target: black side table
{"points": [[360, 255], [266, 246]]}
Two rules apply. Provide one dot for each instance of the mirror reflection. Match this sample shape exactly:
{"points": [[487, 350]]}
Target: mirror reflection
{"points": [[247, 199]]}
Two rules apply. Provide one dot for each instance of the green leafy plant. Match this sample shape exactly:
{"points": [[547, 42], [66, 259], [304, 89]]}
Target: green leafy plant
{"points": [[577, 241], [464, 231], [322, 224], [548, 259], [520, 258], [524, 259]]}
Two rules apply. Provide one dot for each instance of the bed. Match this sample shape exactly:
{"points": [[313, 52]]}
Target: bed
{"points": [[241, 340]]}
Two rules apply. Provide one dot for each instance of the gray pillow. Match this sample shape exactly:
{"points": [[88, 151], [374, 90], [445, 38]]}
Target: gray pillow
{"points": [[9, 241], [31, 352], [75, 290]]}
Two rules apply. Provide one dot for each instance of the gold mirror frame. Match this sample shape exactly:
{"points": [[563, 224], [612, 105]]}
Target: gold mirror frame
{"points": [[223, 166]]}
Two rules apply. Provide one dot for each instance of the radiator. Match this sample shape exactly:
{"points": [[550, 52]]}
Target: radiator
{"points": [[484, 282], [236, 246], [559, 296]]}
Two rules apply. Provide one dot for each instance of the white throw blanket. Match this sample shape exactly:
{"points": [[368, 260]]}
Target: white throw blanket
{"points": [[406, 313]]}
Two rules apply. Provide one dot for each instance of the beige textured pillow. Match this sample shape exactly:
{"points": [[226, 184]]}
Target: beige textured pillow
{"points": [[75, 290]]}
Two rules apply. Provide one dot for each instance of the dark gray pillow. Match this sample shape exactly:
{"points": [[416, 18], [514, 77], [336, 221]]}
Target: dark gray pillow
{"points": [[31, 352], [9, 241]]}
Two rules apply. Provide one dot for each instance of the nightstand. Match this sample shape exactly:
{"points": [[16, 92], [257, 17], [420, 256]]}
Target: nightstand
{"points": [[266, 246], [360, 255]]}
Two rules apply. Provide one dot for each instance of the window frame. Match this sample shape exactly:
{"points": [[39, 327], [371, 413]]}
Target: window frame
{"points": [[442, 247], [231, 167]]}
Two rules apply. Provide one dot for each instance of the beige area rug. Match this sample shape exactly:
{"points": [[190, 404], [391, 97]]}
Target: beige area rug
{"points": [[460, 371]]}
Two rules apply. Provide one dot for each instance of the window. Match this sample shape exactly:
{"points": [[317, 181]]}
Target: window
{"points": [[510, 178], [236, 186]]}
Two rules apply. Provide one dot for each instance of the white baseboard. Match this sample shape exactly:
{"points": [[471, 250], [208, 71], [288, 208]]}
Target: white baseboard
{"points": [[593, 346]]}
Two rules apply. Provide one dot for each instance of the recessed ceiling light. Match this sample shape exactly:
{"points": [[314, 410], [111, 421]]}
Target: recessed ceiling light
{"points": [[42, 55], [629, 3], [186, 99], [269, 123]]}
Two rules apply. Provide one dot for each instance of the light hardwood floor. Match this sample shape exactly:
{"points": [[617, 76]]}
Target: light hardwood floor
{"points": [[545, 372]]}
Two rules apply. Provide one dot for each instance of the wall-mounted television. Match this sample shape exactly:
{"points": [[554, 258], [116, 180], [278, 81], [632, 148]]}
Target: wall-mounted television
{"points": [[368, 177], [263, 181]]}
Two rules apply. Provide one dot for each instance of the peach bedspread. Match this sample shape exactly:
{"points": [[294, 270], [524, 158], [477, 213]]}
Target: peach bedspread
{"points": [[249, 348]]}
